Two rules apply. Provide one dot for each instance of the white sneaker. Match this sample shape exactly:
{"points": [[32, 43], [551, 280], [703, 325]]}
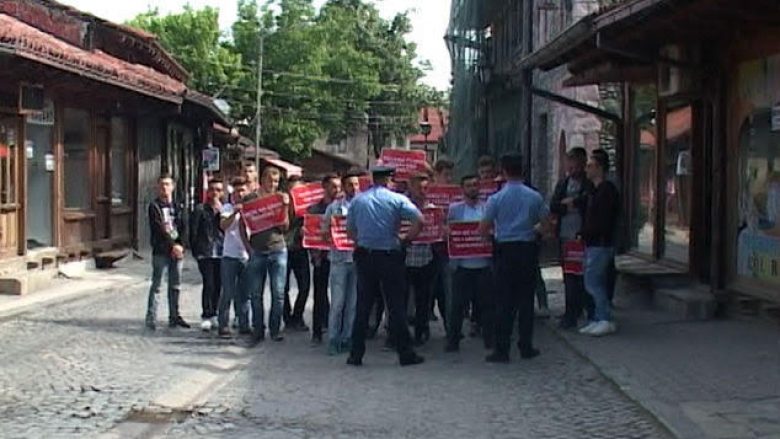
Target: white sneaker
{"points": [[602, 328], [587, 328], [205, 325], [214, 322]]}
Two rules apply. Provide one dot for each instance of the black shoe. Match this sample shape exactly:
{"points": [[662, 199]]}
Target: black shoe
{"points": [[224, 333], [354, 361], [527, 354], [258, 337], [277, 337], [179, 322], [245, 331], [452, 347], [411, 359], [497, 357]]}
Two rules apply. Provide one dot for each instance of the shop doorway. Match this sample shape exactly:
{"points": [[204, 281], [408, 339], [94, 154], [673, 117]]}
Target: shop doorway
{"points": [[38, 150], [10, 204], [676, 173]]}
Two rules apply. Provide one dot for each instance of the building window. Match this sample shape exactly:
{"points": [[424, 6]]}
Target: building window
{"points": [[645, 157], [76, 160], [120, 145], [8, 144]]}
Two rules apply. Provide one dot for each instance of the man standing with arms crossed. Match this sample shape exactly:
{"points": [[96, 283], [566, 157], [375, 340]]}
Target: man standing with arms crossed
{"points": [[373, 222], [514, 216]]}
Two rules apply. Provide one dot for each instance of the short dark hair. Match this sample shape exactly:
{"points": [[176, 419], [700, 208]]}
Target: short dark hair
{"points": [[248, 163], [486, 160], [512, 164], [294, 179], [422, 176], [465, 178], [443, 164], [354, 172], [578, 153], [238, 181], [328, 177], [215, 180], [602, 158]]}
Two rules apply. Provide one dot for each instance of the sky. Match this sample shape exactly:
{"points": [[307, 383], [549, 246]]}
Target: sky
{"points": [[429, 19]]}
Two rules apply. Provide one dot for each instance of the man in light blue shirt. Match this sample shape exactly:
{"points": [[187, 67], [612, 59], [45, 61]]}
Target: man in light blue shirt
{"points": [[471, 279], [514, 216], [373, 222]]}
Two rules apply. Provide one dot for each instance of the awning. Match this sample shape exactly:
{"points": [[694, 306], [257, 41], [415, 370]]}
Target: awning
{"points": [[25, 41], [288, 168]]}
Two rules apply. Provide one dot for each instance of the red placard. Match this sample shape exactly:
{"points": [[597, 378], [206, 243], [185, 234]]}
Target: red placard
{"points": [[312, 233], [407, 162], [338, 232], [488, 188], [444, 195], [465, 241], [264, 213], [305, 196], [433, 226], [573, 257], [365, 183]]}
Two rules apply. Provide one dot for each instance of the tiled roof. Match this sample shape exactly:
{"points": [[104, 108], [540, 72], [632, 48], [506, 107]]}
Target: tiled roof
{"points": [[31, 43], [438, 119]]}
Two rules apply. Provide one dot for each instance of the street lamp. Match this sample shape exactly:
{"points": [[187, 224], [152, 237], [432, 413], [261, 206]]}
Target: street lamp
{"points": [[425, 128]]}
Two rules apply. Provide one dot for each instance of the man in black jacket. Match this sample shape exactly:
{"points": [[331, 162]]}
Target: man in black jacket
{"points": [[167, 232], [206, 243], [569, 203], [298, 265]]}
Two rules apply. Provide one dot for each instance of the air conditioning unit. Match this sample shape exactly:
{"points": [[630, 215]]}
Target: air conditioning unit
{"points": [[672, 79]]}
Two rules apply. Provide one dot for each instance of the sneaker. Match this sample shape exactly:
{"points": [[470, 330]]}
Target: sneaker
{"points": [[602, 328], [587, 328], [205, 325], [214, 322]]}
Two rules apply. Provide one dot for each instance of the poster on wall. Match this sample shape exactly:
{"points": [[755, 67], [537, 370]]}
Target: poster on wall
{"points": [[210, 158]]}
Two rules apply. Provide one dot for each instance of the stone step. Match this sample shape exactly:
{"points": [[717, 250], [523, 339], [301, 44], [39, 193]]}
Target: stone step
{"points": [[689, 303], [23, 282]]}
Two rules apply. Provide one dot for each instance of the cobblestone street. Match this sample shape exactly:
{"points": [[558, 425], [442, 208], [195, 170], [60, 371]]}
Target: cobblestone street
{"points": [[88, 369]]}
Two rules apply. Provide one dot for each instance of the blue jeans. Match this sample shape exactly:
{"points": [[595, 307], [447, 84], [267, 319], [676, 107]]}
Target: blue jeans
{"points": [[597, 262], [233, 272], [343, 302], [161, 263], [274, 265]]}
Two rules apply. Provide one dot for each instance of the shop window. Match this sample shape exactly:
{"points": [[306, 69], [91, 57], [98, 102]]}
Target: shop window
{"points": [[76, 160], [678, 183], [645, 156], [120, 144], [8, 144]]}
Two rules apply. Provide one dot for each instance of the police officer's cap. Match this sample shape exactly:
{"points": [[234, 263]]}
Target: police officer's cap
{"points": [[382, 171]]}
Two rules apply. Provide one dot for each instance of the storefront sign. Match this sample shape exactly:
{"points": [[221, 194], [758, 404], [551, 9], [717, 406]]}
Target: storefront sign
{"points": [[465, 241], [573, 257], [406, 162], [338, 232], [488, 188], [312, 233], [264, 213], [444, 195], [305, 196]]}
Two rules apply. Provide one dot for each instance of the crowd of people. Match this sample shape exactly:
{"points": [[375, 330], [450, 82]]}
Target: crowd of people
{"points": [[388, 275]]}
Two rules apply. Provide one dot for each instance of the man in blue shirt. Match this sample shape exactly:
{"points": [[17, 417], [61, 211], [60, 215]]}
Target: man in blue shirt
{"points": [[471, 280], [514, 216], [373, 222]]}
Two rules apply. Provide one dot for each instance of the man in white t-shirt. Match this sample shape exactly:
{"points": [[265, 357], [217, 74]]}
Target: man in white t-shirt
{"points": [[235, 256]]}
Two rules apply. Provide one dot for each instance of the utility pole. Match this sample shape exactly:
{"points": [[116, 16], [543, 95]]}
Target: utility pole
{"points": [[258, 113]]}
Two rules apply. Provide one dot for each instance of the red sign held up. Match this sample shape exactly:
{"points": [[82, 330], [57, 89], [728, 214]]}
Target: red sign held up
{"points": [[407, 162], [338, 232], [573, 257], [465, 241], [433, 226], [365, 182], [312, 233], [488, 188], [305, 196], [264, 213], [444, 195]]}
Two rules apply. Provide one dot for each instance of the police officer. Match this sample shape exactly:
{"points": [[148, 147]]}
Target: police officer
{"points": [[373, 222], [514, 216]]}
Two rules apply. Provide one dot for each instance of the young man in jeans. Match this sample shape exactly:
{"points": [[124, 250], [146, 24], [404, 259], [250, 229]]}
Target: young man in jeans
{"points": [[235, 255], [268, 259], [206, 244], [598, 231], [343, 279], [167, 231]]}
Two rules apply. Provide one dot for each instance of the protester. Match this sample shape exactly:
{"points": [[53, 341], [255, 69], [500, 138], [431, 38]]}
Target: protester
{"points": [[206, 244], [514, 216], [268, 259], [373, 222], [343, 279], [486, 168], [442, 280], [167, 240], [297, 264], [235, 255], [569, 203], [598, 231], [472, 278], [331, 183], [249, 172], [420, 267]]}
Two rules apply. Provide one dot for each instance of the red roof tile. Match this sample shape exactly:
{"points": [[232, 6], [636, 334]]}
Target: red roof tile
{"points": [[29, 42], [438, 119]]}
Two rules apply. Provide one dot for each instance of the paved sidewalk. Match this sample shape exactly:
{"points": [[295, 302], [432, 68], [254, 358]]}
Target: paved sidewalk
{"points": [[714, 379]]}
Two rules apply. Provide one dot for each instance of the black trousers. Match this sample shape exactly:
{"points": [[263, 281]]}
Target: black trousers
{"points": [[577, 299], [471, 285], [516, 266], [212, 286], [297, 265], [381, 272], [421, 284], [321, 305], [439, 289]]}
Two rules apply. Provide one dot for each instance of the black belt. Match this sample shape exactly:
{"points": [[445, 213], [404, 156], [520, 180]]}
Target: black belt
{"points": [[378, 252]]}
